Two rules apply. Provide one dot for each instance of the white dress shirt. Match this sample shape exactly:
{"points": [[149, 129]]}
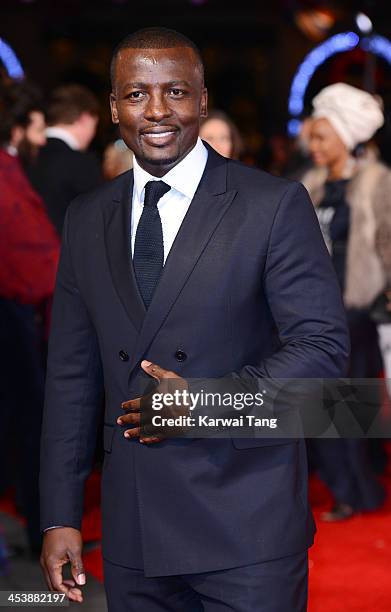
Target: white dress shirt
{"points": [[183, 179], [64, 135]]}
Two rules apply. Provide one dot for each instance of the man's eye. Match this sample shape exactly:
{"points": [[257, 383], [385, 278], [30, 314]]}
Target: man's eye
{"points": [[135, 95], [176, 92]]}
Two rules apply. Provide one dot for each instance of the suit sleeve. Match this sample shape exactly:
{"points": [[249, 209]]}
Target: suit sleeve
{"points": [[73, 401], [306, 304], [304, 297]]}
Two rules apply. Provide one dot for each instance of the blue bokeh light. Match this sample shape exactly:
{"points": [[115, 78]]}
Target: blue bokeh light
{"points": [[338, 43], [294, 126], [379, 45], [10, 61]]}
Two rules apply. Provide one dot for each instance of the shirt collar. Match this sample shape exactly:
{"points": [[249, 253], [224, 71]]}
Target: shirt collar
{"points": [[64, 135], [11, 150], [184, 177]]}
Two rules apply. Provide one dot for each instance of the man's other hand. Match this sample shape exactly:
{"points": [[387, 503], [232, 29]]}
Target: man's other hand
{"points": [[167, 381], [63, 545]]}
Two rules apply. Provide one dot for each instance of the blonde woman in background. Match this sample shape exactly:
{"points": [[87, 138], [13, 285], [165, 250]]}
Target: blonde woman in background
{"points": [[222, 134], [117, 158]]}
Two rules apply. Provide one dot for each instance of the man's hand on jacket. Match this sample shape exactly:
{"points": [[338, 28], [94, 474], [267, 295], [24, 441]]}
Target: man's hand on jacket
{"points": [[63, 545], [169, 382]]}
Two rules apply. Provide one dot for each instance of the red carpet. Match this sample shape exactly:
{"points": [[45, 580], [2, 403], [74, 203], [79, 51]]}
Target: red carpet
{"points": [[350, 563]]}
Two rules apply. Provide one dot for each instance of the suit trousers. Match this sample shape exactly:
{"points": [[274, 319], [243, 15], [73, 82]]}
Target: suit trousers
{"points": [[272, 586]]}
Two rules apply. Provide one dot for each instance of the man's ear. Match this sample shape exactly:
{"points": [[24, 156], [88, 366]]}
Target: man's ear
{"points": [[204, 103], [114, 111]]}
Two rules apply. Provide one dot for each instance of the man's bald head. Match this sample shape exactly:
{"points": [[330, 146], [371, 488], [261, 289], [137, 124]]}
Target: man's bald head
{"points": [[156, 38]]}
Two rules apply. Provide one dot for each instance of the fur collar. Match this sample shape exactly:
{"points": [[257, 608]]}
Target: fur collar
{"points": [[367, 197]]}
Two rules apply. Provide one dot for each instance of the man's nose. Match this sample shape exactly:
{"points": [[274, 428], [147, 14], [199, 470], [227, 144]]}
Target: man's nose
{"points": [[157, 108]]}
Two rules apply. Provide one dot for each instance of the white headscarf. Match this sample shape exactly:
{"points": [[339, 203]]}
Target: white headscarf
{"points": [[355, 114]]}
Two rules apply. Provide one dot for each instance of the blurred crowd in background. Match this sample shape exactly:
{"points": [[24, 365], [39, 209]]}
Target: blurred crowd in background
{"points": [[56, 142]]}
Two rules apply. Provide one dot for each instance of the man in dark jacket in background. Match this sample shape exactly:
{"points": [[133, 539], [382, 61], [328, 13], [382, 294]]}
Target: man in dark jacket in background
{"points": [[29, 250], [64, 169]]}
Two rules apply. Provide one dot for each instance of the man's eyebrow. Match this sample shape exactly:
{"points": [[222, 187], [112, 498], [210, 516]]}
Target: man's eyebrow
{"points": [[141, 85], [173, 83], [136, 84]]}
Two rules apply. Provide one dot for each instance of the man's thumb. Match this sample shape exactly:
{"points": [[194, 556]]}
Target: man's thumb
{"points": [[77, 569], [81, 579]]}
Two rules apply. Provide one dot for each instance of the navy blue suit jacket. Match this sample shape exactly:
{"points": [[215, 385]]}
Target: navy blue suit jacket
{"points": [[249, 260]]}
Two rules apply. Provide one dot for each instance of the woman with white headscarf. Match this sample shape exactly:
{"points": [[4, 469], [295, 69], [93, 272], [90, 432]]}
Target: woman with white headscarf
{"points": [[352, 197]]}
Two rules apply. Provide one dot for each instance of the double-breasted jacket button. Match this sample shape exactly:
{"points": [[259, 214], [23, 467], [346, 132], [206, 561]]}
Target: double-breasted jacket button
{"points": [[123, 355], [180, 356]]}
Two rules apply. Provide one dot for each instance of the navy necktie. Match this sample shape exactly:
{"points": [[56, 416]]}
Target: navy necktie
{"points": [[148, 256]]}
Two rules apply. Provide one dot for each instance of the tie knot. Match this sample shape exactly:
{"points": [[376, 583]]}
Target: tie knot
{"points": [[154, 190]]}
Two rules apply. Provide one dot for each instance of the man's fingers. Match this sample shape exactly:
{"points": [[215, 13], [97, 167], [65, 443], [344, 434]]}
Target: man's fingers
{"points": [[74, 590], [132, 433], [151, 440], [136, 433], [156, 371], [55, 575], [55, 583], [129, 419], [76, 593], [133, 404]]}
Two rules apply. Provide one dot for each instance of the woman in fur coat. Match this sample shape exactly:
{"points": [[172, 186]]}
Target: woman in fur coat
{"points": [[352, 197]]}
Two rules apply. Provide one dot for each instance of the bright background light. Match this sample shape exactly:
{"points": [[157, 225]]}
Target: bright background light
{"points": [[10, 61], [336, 44], [294, 126], [364, 24], [339, 43], [379, 45]]}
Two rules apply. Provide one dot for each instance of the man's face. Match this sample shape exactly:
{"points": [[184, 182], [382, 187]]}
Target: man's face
{"points": [[86, 129], [158, 99]]}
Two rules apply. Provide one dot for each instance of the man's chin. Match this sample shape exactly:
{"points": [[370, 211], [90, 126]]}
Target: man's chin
{"points": [[161, 161], [161, 158]]}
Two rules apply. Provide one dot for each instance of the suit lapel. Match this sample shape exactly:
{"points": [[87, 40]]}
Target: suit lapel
{"points": [[206, 210], [117, 218]]}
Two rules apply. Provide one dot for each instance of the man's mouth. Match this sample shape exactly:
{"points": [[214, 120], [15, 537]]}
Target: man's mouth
{"points": [[159, 136]]}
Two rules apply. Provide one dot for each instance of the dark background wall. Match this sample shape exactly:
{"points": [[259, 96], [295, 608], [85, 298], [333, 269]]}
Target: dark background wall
{"points": [[251, 49]]}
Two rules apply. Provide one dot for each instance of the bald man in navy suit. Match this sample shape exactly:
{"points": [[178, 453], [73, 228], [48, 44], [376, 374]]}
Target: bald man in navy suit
{"points": [[190, 265]]}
